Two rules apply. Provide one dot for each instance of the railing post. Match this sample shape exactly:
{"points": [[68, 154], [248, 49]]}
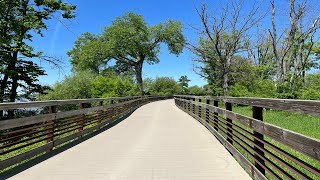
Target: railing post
{"points": [[199, 109], [257, 113], [100, 113], [50, 127], [229, 123], [81, 122], [207, 111], [189, 105], [193, 106], [215, 119], [112, 109]]}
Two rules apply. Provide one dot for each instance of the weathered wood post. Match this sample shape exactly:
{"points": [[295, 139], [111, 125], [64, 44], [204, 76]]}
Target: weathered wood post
{"points": [[111, 114], [199, 109], [100, 113], [215, 119], [193, 106], [257, 113], [207, 111], [50, 127], [82, 118], [229, 123], [189, 105]]}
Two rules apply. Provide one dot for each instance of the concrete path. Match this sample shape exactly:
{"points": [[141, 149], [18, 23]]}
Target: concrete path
{"points": [[158, 141]]}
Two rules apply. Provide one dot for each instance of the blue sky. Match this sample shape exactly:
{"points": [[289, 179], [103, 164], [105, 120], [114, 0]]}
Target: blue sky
{"points": [[93, 16]]}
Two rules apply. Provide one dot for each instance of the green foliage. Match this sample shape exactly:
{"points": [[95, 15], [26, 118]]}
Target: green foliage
{"points": [[85, 84], [184, 83], [257, 88], [87, 53], [311, 89], [165, 86], [20, 20], [239, 90], [75, 86], [129, 41], [196, 90], [115, 86]]}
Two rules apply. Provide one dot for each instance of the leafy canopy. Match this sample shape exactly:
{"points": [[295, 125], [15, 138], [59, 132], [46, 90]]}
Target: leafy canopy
{"points": [[129, 37]]}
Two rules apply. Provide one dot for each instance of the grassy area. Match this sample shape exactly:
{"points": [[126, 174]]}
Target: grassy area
{"points": [[297, 122]]}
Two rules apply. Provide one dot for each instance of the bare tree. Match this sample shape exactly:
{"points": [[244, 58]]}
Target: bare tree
{"points": [[227, 33], [292, 49]]}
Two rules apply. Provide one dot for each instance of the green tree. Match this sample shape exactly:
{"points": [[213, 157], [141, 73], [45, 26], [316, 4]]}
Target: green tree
{"points": [[113, 86], [131, 42], [75, 86], [88, 47], [165, 86], [196, 90], [184, 83], [311, 90], [20, 20]]}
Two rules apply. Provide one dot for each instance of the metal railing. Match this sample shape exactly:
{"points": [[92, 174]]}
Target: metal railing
{"points": [[264, 150]]}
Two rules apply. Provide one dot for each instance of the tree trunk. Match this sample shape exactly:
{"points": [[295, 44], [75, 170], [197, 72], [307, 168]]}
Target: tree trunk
{"points": [[14, 77], [2, 92], [225, 82], [14, 86], [138, 69], [226, 67], [3, 87]]}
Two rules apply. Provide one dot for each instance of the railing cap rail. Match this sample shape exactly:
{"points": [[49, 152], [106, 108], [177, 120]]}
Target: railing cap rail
{"points": [[292, 105], [16, 105]]}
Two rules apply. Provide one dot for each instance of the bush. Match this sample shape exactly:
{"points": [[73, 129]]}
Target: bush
{"points": [[164, 86], [311, 88], [239, 90], [196, 90], [114, 86], [75, 86], [83, 85]]}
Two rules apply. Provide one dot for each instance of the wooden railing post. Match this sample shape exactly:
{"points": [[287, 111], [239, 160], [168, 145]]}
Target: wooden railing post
{"points": [[199, 109], [100, 113], [257, 113], [229, 123], [207, 111], [112, 109], [82, 118], [189, 105], [50, 127], [193, 106], [215, 119]]}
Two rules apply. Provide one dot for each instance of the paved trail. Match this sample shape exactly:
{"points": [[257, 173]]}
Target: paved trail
{"points": [[157, 141]]}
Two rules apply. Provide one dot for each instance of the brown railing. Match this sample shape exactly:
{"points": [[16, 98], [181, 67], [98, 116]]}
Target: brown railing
{"points": [[264, 150], [58, 123]]}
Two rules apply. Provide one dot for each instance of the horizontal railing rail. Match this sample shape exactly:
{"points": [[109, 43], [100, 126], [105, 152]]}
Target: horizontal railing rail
{"points": [[26, 137], [264, 150], [311, 107]]}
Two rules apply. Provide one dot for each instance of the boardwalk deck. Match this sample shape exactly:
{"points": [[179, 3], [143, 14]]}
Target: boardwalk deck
{"points": [[157, 141]]}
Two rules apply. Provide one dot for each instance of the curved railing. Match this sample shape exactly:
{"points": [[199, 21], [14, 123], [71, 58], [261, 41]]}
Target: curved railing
{"points": [[56, 123], [264, 150]]}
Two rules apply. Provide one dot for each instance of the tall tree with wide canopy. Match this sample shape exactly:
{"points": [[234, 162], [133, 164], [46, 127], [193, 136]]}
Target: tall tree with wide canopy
{"points": [[131, 42]]}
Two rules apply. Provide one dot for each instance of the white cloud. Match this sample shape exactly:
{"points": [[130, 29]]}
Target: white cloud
{"points": [[54, 37]]}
